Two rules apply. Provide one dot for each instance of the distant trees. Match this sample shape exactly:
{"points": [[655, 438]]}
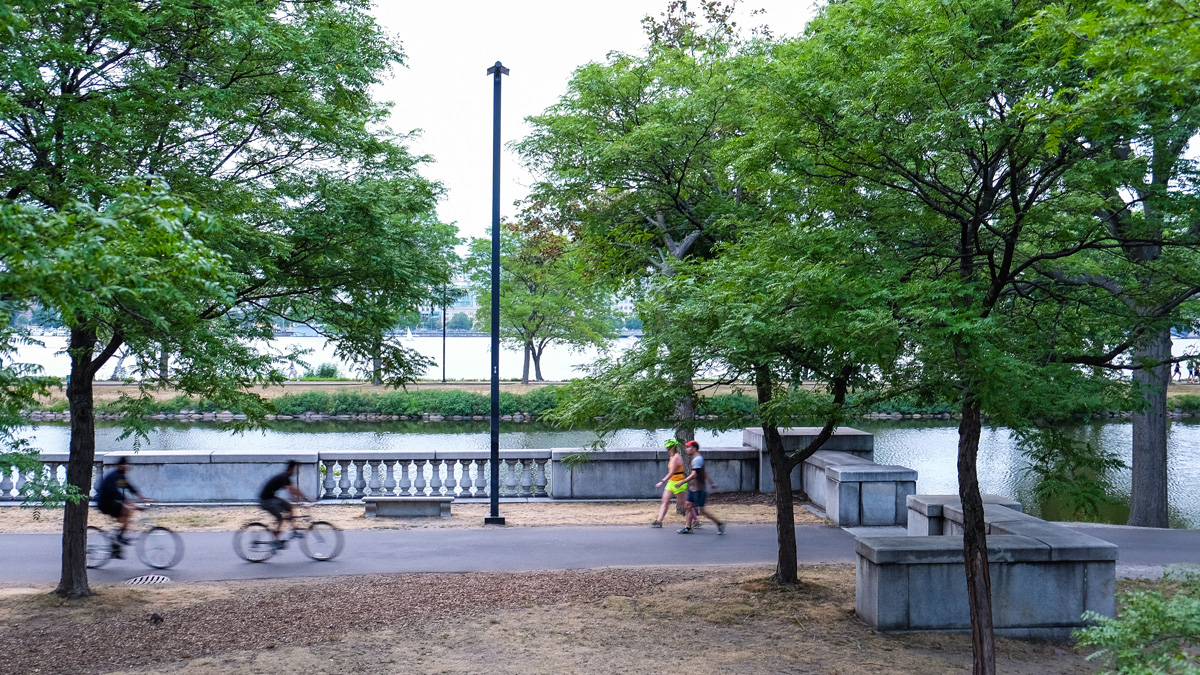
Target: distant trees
{"points": [[544, 297], [460, 322]]}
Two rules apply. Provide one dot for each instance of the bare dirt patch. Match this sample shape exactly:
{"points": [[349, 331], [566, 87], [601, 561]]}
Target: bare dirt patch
{"points": [[735, 507], [650, 620]]}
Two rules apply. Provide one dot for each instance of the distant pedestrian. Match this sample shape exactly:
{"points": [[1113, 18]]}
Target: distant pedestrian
{"points": [[675, 487], [292, 371], [698, 478], [1193, 375], [1177, 375]]}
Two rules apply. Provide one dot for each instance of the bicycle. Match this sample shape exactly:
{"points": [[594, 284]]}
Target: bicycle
{"points": [[157, 546], [321, 540]]}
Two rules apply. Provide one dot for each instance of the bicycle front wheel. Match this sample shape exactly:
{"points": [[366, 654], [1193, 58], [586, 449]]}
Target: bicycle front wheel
{"points": [[160, 548], [322, 541], [99, 548], [254, 542]]}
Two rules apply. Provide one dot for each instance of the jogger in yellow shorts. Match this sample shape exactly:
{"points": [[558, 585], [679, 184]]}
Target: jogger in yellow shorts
{"points": [[675, 487]]}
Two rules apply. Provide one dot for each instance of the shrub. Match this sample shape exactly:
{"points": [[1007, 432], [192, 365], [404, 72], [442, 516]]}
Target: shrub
{"points": [[1186, 402], [325, 371], [1152, 633]]}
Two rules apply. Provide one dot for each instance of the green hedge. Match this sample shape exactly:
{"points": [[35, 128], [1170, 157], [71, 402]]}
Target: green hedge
{"points": [[1186, 402], [435, 401]]}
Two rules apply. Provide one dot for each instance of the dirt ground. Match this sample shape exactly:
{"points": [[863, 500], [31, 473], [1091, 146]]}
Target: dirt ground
{"points": [[734, 507], [702, 621]]}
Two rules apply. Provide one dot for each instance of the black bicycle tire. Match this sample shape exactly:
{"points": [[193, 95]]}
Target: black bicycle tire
{"points": [[97, 553], [338, 538], [175, 539], [245, 530]]}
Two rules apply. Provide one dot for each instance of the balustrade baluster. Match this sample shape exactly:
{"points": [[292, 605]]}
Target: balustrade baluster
{"points": [[419, 483], [360, 479], [451, 483], [482, 471], [389, 482], [6, 483], [97, 473], [435, 481], [330, 481], [510, 481], [22, 478], [540, 481], [344, 484], [376, 481], [526, 468], [405, 483]]}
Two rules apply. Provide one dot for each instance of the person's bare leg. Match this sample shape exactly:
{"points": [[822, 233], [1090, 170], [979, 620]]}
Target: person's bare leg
{"points": [[708, 514], [123, 520], [666, 504]]}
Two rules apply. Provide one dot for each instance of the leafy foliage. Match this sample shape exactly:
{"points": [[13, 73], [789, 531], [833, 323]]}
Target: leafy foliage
{"points": [[1077, 473], [1154, 633]]}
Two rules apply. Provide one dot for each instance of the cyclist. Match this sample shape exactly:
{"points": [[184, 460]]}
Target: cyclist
{"points": [[112, 500], [275, 505]]}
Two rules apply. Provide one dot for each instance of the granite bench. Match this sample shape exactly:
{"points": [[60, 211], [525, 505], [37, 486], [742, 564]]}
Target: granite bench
{"points": [[1044, 575], [408, 507]]}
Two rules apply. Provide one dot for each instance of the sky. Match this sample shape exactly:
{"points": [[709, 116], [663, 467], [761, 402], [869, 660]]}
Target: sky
{"points": [[446, 93]]}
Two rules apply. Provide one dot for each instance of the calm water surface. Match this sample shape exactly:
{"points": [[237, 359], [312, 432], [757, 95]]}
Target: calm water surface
{"points": [[930, 447]]}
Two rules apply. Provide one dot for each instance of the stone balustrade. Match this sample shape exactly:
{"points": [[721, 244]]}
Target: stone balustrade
{"points": [[1044, 575], [354, 474], [565, 473], [13, 482]]}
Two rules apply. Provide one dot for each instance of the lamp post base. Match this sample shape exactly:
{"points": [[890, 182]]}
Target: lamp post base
{"points": [[493, 520]]}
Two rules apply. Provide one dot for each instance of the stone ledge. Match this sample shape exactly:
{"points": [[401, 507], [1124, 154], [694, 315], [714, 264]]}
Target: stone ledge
{"points": [[870, 473], [931, 505], [905, 550]]}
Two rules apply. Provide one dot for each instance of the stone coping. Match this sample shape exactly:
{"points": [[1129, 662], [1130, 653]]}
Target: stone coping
{"points": [[354, 455], [870, 473], [823, 459], [943, 549], [1003, 520], [408, 500], [655, 454], [192, 457], [931, 505]]}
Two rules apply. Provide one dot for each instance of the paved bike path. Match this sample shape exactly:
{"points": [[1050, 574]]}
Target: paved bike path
{"points": [[34, 559]]}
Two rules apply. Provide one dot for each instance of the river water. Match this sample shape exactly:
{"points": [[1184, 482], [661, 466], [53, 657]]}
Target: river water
{"points": [[930, 447]]}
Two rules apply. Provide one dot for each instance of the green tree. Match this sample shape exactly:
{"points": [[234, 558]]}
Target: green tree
{"points": [[544, 299], [923, 119], [460, 322], [634, 162], [1139, 65], [315, 209]]}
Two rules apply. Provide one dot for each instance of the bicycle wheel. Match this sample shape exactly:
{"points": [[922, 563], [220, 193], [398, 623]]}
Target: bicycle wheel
{"points": [[254, 542], [160, 548], [322, 541], [99, 547]]}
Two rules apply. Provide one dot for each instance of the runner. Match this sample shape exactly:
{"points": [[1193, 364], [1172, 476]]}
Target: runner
{"points": [[675, 488], [696, 498]]}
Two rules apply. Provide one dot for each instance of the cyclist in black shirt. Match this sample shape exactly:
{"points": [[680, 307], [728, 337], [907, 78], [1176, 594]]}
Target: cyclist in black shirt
{"points": [[112, 500], [276, 505]]}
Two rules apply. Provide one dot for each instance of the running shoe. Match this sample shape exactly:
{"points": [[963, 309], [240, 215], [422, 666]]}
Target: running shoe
{"points": [[698, 524], [720, 528], [656, 523], [684, 530]]}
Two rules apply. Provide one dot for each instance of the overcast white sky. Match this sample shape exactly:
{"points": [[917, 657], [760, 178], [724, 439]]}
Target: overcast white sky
{"points": [[445, 90]]}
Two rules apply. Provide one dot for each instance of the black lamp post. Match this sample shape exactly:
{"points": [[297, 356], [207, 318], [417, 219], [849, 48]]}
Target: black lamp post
{"points": [[494, 492]]}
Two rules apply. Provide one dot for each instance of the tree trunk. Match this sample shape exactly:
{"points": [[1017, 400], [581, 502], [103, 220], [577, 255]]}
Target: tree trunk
{"points": [[537, 362], [164, 365], [525, 369], [975, 553], [685, 414], [1148, 502], [74, 580], [785, 516]]}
